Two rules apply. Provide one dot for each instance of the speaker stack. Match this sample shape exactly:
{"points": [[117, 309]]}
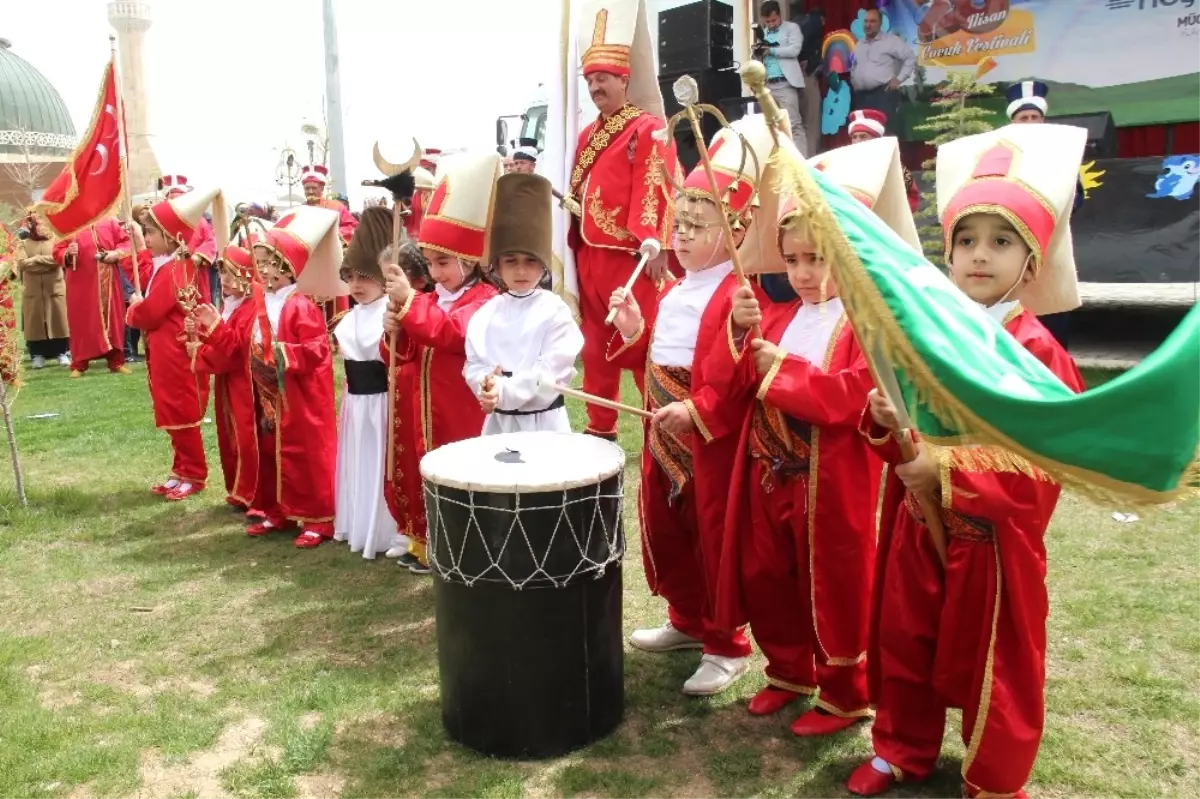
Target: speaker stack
{"points": [[697, 40]]}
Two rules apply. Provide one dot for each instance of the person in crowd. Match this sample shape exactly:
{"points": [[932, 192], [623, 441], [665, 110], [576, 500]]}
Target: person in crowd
{"points": [[91, 261], [778, 49], [525, 157], [812, 28], [43, 296], [882, 62]]}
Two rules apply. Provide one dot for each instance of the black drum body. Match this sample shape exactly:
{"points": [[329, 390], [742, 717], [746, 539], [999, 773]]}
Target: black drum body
{"points": [[528, 598]]}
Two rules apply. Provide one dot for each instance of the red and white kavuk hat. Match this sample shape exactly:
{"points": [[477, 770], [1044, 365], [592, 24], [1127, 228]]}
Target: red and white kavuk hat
{"points": [[306, 239], [173, 185], [239, 262], [871, 172], [868, 120], [315, 173], [1026, 174], [614, 37], [179, 216], [455, 220]]}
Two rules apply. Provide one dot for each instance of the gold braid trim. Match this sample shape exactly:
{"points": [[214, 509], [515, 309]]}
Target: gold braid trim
{"points": [[653, 182], [876, 326], [601, 137]]}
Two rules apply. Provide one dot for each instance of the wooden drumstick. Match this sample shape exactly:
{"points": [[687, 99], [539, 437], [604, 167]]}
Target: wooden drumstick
{"points": [[592, 399], [612, 314]]}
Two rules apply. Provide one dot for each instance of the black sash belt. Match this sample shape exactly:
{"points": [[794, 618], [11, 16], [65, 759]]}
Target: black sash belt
{"points": [[558, 403], [366, 377]]}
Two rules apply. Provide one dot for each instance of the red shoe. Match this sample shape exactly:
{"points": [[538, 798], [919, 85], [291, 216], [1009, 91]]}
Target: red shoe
{"points": [[309, 539], [771, 700], [869, 781], [181, 493], [267, 526], [163, 490], [819, 722], [253, 516]]}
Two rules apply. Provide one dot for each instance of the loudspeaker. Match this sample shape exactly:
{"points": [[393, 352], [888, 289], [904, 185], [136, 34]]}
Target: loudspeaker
{"points": [[695, 37], [1102, 134], [720, 88]]}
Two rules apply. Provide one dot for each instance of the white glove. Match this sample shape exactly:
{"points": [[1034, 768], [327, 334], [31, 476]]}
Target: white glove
{"points": [[650, 248]]}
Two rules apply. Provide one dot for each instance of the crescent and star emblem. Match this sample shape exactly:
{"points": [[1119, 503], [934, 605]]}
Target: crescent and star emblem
{"points": [[102, 149]]}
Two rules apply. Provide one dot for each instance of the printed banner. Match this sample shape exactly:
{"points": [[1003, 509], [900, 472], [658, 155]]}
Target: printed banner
{"points": [[1074, 45]]}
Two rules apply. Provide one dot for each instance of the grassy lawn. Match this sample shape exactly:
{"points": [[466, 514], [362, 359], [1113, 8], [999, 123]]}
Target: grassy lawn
{"points": [[152, 649]]}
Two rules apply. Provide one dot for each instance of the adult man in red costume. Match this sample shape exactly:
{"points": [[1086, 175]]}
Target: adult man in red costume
{"points": [[95, 307], [624, 201], [314, 178]]}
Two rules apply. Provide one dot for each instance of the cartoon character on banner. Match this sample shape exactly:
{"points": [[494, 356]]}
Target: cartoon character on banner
{"points": [[1179, 177]]}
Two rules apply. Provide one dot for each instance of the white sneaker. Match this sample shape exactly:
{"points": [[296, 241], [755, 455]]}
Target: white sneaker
{"points": [[716, 673], [64, 360], [39, 362], [396, 552], [663, 639]]}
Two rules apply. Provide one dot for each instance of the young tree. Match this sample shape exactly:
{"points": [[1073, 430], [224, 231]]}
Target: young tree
{"points": [[954, 120], [29, 168]]}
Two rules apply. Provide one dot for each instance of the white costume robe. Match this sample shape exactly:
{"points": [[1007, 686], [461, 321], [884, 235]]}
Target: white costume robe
{"points": [[534, 341], [361, 515]]}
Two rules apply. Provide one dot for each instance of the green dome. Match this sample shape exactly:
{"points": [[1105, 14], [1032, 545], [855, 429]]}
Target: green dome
{"points": [[31, 109]]}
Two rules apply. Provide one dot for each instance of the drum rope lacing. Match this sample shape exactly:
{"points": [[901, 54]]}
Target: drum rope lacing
{"points": [[613, 545]]}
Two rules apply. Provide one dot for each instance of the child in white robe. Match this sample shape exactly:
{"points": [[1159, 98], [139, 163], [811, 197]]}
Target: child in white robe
{"points": [[362, 517], [524, 340]]}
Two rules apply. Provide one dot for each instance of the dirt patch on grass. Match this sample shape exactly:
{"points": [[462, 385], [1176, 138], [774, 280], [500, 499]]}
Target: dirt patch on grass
{"points": [[383, 729], [542, 783], [310, 720], [319, 786], [200, 775]]}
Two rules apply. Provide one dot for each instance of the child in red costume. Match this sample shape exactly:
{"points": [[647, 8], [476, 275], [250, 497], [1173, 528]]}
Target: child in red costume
{"points": [[292, 370], [233, 389], [971, 633], [691, 442], [171, 282], [799, 537], [430, 333]]}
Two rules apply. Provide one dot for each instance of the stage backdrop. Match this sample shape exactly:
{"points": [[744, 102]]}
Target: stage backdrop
{"points": [[1134, 58], [1140, 222]]}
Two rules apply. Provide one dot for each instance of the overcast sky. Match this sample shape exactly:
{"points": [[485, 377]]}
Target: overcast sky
{"points": [[231, 81]]}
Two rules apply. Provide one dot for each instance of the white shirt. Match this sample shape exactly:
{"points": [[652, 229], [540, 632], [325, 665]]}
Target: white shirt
{"points": [[229, 305], [359, 331], [678, 324], [536, 340], [999, 310], [159, 262], [446, 299], [274, 302], [808, 334]]}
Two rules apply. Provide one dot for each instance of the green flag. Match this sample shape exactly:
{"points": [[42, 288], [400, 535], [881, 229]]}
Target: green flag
{"points": [[1133, 439]]}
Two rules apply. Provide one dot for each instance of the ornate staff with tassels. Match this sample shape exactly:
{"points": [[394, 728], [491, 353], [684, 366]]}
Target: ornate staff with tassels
{"points": [[401, 182], [883, 372]]}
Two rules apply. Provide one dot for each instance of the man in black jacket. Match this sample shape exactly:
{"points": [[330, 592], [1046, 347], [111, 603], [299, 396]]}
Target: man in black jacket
{"points": [[812, 25]]}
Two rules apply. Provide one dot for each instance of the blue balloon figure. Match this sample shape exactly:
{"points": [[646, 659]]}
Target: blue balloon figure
{"points": [[1178, 179], [856, 27], [835, 108]]}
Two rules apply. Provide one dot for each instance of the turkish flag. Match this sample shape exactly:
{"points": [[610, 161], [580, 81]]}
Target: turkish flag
{"points": [[89, 187]]}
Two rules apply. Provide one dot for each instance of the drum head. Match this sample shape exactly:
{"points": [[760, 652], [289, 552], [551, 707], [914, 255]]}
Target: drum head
{"points": [[523, 463]]}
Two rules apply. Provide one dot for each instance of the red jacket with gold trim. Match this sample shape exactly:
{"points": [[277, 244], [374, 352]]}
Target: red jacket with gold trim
{"points": [[619, 184]]}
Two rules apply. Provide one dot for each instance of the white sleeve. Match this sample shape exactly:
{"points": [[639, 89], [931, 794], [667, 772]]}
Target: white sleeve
{"points": [[475, 368], [555, 364]]}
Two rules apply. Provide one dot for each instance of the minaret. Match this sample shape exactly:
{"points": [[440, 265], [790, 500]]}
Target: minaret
{"points": [[131, 20]]}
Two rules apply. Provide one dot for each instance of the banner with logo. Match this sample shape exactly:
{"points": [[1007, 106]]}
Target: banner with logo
{"points": [[1135, 58]]}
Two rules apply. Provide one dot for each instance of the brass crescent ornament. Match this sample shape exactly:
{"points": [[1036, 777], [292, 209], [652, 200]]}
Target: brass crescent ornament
{"points": [[388, 168]]}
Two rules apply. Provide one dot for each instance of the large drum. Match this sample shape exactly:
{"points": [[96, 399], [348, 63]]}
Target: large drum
{"points": [[526, 541]]}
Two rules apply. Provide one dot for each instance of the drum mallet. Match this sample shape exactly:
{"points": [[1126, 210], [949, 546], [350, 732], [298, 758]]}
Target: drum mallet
{"points": [[592, 399], [612, 314]]}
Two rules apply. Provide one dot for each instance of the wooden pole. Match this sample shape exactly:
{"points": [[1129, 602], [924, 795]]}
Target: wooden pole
{"points": [[137, 278], [391, 427], [592, 399]]}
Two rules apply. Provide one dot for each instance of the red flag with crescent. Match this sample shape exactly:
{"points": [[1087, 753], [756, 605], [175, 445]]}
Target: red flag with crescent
{"points": [[89, 187]]}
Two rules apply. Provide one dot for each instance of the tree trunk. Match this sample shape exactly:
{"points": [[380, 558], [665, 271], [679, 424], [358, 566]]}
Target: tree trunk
{"points": [[18, 478]]}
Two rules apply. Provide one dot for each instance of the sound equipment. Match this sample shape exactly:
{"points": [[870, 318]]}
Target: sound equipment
{"points": [[695, 37], [721, 88], [1102, 134]]}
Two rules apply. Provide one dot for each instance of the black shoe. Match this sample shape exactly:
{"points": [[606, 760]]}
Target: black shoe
{"points": [[419, 568], [411, 562]]}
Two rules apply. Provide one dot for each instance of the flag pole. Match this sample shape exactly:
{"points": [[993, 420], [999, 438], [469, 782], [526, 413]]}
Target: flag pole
{"points": [[137, 278]]}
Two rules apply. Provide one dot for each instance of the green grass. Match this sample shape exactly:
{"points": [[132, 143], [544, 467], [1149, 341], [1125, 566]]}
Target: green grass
{"points": [[262, 670]]}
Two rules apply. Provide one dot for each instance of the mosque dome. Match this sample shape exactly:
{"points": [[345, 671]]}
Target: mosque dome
{"points": [[32, 114]]}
